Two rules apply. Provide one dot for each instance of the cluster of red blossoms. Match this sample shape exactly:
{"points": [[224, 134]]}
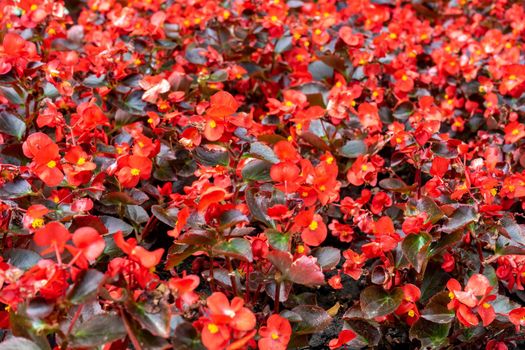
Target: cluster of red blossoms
{"points": [[251, 174]]}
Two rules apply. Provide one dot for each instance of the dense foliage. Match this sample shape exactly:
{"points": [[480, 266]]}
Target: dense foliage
{"points": [[248, 174]]}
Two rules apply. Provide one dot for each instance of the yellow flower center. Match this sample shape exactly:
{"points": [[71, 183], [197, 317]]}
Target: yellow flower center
{"points": [[322, 188], [150, 121], [299, 57], [404, 77], [37, 223], [451, 295], [486, 305], [213, 328], [330, 160], [313, 225], [288, 103], [300, 249], [411, 313], [375, 93], [364, 167], [515, 132], [51, 31], [51, 164], [275, 336], [135, 172], [512, 77], [226, 14], [81, 161], [213, 124], [318, 31], [33, 7], [393, 36], [274, 18]]}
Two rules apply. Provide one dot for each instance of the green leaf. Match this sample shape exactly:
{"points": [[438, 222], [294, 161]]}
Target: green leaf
{"points": [[395, 185], [354, 149], [197, 56], [368, 334], [17, 343], [15, 189], [444, 242], [304, 270], [96, 331], [133, 104], [211, 157], [314, 319], [403, 110], [320, 70], [445, 150], [12, 125], [114, 224], [93, 81], [375, 301], [430, 334], [22, 258], [118, 198], [463, 216], [428, 206], [231, 218], [167, 216], [262, 151], [157, 323], [238, 248], [258, 207], [86, 287], [12, 95], [433, 281], [218, 76], [415, 248], [437, 310], [283, 44], [327, 257], [256, 170], [278, 240], [513, 230]]}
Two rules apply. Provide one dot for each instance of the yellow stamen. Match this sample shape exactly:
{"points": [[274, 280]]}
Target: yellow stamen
{"points": [[213, 124], [135, 172], [313, 225], [213, 328], [51, 164], [81, 161], [411, 313], [37, 223], [275, 336]]}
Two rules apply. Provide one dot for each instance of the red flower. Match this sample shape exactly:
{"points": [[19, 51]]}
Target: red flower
{"points": [[54, 236], [344, 337], [89, 244], [313, 228], [132, 169], [144, 257], [88, 117], [286, 173], [467, 302], [448, 262], [514, 131], [408, 309], [517, 317], [46, 158], [223, 319], [276, 334]]}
